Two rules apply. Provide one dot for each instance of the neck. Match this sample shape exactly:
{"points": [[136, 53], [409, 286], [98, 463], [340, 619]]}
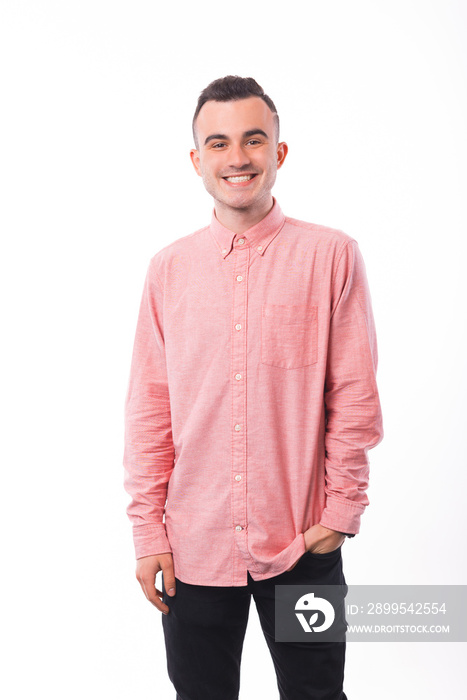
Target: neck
{"points": [[240, 220]]}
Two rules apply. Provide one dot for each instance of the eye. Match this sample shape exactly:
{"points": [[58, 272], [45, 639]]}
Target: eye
{"points": [[253, 142], [218, 145]]}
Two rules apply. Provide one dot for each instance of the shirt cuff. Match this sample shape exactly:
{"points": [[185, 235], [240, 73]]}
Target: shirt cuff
{"points": [[342, 516], [150, 539]]}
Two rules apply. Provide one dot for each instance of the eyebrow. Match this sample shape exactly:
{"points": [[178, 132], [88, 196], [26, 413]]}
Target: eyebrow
{"points": [[246, 135]]}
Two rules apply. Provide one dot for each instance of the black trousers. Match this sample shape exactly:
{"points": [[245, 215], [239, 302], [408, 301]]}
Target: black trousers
{"points": [[206, 625]]}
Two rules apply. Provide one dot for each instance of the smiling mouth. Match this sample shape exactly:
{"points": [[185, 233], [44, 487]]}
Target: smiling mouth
{"points": [[239, 178]]}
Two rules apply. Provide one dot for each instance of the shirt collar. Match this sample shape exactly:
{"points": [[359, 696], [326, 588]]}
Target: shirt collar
{"points": [[257, 237]]}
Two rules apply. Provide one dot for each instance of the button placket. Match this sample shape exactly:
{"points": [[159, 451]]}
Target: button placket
{"points": [[238, 389]]}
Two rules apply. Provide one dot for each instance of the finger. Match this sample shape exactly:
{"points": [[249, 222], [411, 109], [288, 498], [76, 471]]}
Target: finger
{"points": [[169, 579], [153, 595]]}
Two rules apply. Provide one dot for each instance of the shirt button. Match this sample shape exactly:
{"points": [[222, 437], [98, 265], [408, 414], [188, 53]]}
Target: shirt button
{"points": [[224, 251], [238, 477], [238, 326], [260, 247], [238, 528], [238, 376], [238, 427], [239, 278], [241, 241]]}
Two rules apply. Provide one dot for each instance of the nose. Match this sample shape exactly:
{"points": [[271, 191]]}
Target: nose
{"points": [[238, 157]]}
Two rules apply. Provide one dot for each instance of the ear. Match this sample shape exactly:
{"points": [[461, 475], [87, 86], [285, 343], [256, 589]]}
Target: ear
{"points": [[282, 150], [194, 155]]}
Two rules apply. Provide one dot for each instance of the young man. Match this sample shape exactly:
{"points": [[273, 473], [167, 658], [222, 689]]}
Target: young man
{"points": [[251, 405]]}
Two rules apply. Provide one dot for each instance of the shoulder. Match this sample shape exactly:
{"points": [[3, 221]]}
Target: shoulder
{"points": [[182, 246], [325, 234]]}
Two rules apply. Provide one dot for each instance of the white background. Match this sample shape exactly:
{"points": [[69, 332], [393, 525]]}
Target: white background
{"points": [[97, 99]]}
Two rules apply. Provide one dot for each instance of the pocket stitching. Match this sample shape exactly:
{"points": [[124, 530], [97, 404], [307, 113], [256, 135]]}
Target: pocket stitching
{"points": [[307, 356]]}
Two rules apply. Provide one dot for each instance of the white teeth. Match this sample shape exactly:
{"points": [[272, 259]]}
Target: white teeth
{"points": [[239, 178]]}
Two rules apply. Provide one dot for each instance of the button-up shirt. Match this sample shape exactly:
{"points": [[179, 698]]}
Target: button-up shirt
{"points": [[252, 399]]}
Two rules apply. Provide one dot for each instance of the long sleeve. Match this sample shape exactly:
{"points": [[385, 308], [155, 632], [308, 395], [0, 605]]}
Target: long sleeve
{"points": [[149, 452], [353, 412]]}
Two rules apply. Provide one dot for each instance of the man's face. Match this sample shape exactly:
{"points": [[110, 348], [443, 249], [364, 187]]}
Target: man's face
{"points": [[237, 154]]}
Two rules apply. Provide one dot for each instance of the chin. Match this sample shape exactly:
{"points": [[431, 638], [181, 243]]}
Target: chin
{"points": [[241, 203]]}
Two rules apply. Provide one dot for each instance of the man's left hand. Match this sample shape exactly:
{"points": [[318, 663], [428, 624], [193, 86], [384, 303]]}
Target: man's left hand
{"points": [[319, 539]]}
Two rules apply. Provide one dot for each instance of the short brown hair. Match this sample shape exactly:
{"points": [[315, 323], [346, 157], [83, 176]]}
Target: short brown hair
{"points": [[233, 87]]}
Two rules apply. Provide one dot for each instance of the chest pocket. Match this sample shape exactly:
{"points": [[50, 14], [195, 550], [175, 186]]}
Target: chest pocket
{"points": [[289, 335]]}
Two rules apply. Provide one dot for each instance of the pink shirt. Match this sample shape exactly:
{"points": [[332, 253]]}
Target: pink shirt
{"points": [[252, 398]]}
